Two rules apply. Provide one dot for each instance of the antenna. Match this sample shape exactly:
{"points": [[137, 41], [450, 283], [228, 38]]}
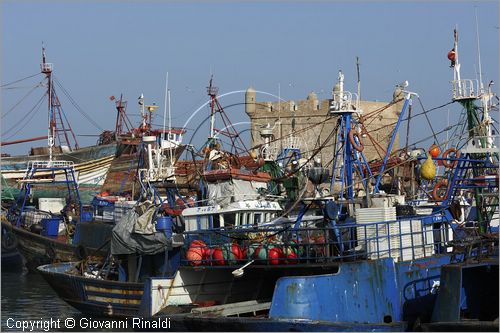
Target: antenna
{"points": [[359, 82], [165, 108], [481, 86]]}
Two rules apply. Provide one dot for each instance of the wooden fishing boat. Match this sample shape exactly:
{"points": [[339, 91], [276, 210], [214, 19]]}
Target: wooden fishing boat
{"points": [[93, 296], [91, 163]]}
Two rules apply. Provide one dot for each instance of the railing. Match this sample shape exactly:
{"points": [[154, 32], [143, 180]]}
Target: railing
{"points": [[50, 164], [465, 89], [342, 102], [405, 239]]}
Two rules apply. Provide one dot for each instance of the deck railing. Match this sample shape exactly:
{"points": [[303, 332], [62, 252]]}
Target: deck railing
{"points": [[402, 239], [50, 164]]}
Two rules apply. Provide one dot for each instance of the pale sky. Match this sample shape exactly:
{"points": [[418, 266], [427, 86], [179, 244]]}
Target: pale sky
{"points": [[107, 48]]}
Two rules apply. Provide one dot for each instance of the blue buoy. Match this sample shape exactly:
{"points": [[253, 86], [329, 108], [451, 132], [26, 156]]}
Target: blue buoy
{"points": [[165, 223]]}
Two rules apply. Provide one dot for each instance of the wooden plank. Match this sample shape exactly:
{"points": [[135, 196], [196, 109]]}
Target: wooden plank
{"points": [[233, 308]]}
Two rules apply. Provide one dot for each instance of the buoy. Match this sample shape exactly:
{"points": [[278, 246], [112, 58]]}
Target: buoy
{"points": [[434, 150], [195, 256], [257, 252], [202, 246], [428, 169], [274, 255], [232, 253], [217, 258], [290, 255], [452, 55]]}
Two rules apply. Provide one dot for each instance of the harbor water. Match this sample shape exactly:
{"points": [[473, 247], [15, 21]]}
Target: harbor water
{"points": [[28, 299]]}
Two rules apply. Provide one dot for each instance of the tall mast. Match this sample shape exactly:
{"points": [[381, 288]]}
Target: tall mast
{"points": [[56, 123], [212, 92], [47, 70]]}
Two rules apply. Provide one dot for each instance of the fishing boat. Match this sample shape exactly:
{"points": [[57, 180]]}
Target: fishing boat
{"points": [[143, 243], [366, 265], [122, 177], [138, 255], [363, 264], [91, 164], [58, 229]]}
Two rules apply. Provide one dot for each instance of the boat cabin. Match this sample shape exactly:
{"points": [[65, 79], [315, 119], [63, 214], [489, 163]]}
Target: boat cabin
{"points": [[246, 213], [171, 138]]}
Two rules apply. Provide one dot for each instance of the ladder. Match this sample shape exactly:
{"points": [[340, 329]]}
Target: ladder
{"points": [[48, 173]]}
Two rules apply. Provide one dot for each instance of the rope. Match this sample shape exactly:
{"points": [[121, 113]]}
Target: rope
{"points": [[24, 119], [77, 107], [22, 99], [8, 84], [427, 118]]}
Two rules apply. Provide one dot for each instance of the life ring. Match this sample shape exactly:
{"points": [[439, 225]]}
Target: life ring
{"points": [[437, 192], [451, 164], [358, 146]]}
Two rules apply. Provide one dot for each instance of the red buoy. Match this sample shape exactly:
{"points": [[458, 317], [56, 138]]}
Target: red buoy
{"points": [[217, 257], [434, 150], [274, 255], [195, 256], [452, 55]]}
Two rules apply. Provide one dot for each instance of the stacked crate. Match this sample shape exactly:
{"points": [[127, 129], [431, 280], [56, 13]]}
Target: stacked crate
{"points": [[400, 239]]}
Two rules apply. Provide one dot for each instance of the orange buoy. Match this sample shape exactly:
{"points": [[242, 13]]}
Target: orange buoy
{"points": [[434, 150], [199, 244], [195, 256], [452, 55], [217, 257]]}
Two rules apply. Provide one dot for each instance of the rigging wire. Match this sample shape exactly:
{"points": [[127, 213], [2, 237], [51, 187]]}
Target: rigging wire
{"points": [[77, 107], [22, 99], [426, 117], [8, 84], [25, 119]]}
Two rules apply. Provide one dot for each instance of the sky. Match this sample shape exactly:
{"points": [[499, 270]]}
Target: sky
{"points": [[286, 48]]}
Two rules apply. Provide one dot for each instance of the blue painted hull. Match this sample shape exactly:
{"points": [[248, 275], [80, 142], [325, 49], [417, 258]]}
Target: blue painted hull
{"points": [[251, 324]]}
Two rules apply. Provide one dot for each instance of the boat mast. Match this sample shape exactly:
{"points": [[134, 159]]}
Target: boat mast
{"points": [[212, 92], [55, 115], [47, 70], [480, 143]]}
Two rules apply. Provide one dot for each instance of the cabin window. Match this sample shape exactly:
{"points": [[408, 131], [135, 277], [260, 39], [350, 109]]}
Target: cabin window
{"points": [[229, 220], [215, 219], [243, 219], [257, 218], [201, 221]]}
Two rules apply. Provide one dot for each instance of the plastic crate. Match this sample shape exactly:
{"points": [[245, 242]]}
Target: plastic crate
{"points": [[50, 226]]}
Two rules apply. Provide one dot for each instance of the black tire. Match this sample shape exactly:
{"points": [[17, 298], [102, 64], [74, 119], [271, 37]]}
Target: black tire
{"points": [[9, 241], [81, 252]]}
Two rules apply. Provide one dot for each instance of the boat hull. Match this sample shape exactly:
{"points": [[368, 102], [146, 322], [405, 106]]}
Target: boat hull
{"points": [[91, 165], [122, 175], [93, 296], [39, 250], [191, 323]]}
